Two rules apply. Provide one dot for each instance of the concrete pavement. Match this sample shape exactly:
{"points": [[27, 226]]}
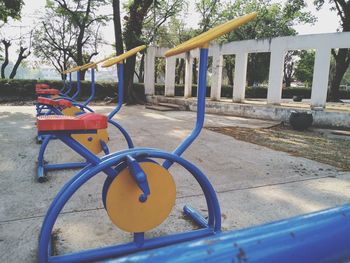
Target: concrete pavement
{"points": [[254, 184]]}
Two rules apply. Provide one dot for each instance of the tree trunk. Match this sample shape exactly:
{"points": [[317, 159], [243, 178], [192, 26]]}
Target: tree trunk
{"points": [[288, 82], [132, 38], [229, 72], [20, 58], [342, 63], [118, 37], [194, 72], [179, 73], [142, 69], [7, 44]]}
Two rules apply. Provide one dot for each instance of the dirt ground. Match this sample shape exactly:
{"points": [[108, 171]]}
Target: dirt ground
{"points": [[319, 145]]}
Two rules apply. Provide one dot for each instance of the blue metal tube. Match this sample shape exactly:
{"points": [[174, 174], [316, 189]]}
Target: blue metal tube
{"points": [[78, 86], [120, 90], [124, 132], [318, 237], [92, 88], [202, 86], [119, 250], [195, 216], [62, 166]]}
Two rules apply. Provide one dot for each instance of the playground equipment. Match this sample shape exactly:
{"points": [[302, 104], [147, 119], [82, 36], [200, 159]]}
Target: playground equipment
{"points": [[65, 108], [44, 90], [48, 106], [138, 193], [95, 142]]}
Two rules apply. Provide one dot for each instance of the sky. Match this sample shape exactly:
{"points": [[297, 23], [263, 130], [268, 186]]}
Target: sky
{"points": [[327, 22]]}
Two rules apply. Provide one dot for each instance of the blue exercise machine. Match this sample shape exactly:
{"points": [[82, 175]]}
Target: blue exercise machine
{"points": [[95, 142], [139, 193]]}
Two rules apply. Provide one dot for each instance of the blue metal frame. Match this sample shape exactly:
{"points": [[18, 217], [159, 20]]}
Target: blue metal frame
{"points": [[43, 166], [105, 164], [210, 226]]}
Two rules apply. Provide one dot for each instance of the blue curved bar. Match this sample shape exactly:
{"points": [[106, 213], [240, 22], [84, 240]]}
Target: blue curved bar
{"points": [[76, 182], [124, 132], [202, 86]]}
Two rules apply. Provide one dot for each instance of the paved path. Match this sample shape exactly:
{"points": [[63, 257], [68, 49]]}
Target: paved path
{"points": [[254, 184]]}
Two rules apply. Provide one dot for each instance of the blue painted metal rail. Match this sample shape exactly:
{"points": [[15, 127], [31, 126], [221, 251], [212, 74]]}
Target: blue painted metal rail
{"points": [[312, 238]]}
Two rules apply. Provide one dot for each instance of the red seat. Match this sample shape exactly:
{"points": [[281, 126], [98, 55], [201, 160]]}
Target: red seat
{"points": [[86, 121], [42, 86], [57, 103], [47, 91]]}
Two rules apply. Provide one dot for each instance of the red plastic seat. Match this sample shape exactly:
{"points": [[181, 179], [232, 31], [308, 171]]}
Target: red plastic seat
{"points": [[47, 91], [57, 103], [86, 121], [42, 86]]}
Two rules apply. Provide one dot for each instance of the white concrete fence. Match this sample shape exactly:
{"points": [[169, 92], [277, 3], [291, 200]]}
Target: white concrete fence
{"points": [[321, 43]]}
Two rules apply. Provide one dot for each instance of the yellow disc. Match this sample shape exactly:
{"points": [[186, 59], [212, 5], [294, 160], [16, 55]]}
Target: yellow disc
{"points": [[71, 111], [55, 96], [92, 141], [123, 205]]}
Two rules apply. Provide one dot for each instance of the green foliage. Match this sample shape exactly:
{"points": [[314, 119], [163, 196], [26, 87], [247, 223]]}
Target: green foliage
{"points": [[210, 13], [274, 19], [305, 66], [346, 78], [10, 8]]}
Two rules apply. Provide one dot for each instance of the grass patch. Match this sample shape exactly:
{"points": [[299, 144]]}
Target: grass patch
{"points": [[314, 145]]}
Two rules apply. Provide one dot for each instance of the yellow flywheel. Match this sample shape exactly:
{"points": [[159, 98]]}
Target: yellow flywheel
{"points": [[71, 111], [92, 141], [124, 206]]}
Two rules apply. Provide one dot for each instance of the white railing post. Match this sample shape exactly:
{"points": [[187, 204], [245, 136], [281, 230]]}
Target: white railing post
{"points": [[170, 65], [188, 75], [320, 78], [274, 91], [149, 71], [240, 77], [216, 79]]}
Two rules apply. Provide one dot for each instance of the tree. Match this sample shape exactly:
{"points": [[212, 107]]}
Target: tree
{"points": [[7, 45], [341, 56], [10, 8], [289, 67], [117, 27], [55, 40], [274, 19], [139, 16], [209, 12], [20, 58], [305, 66], [82, 15]]}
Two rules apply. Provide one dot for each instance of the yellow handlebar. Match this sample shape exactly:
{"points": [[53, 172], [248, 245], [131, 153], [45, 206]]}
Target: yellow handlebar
{"points": [[94, 64], [72, 70], [203, 39], [87, 66], [122, 57]]}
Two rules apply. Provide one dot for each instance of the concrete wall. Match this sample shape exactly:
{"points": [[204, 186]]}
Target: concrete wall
{"points": [[322, 43]]}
